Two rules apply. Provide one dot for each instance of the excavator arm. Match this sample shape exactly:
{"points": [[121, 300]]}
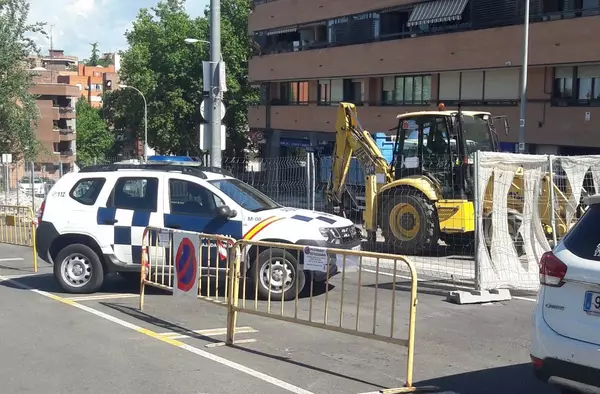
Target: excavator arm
{"points": [[352, 140]]}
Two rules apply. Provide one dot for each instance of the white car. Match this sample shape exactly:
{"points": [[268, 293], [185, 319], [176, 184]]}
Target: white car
{"points": [[92, 222], [565, 343], [38, 186]]}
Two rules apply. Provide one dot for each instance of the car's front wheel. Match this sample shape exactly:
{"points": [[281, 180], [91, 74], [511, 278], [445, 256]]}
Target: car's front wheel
{"points": [[78, 269], [277, 271]]}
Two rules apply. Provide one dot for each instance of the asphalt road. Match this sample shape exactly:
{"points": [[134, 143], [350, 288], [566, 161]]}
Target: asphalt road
{"points": [[60, 343]]}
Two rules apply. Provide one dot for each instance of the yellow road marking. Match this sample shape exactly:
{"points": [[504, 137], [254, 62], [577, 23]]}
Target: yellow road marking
{"points": [[101, 297], [199, 352], [208, 333]]}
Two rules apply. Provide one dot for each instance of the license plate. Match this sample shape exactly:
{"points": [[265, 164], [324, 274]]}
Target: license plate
{"points": [[592, 302], [357, 248]]}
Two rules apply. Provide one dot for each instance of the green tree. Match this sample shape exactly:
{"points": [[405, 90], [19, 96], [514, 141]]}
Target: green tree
{"points": [[169, 73], [94, 57], [94, 139], [18, 109]]}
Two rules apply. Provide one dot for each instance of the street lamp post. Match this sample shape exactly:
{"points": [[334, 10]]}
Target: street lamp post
{"points": [[145, 119], [214, 91], [524, 79]]}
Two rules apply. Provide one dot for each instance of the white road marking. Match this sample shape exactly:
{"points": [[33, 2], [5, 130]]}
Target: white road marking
{"points": [[199, 352], [101, 297], [525, 299], [409, 278], [13, 259]]}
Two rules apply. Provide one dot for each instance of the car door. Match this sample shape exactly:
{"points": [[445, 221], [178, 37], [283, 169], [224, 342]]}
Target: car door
{"points": [[571, 296], [191, 206], [131, 207]]}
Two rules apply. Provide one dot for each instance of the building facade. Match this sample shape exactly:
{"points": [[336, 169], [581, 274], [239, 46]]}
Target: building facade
{"points": [[396, 56], [56, 129], [90, 80]]}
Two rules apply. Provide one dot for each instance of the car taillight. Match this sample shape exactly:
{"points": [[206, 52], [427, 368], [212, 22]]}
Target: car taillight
{"points": [[40, 213], [552, 270]]}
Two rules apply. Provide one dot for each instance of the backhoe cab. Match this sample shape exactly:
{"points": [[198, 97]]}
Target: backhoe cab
{"points": [[426, 192]]}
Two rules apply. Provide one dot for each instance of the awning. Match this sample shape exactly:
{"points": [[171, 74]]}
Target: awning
{"points": [[437, 11], [282, 30]]}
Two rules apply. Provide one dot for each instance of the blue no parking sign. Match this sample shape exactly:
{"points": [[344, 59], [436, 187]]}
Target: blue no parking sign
{"points": [[186, 264]]}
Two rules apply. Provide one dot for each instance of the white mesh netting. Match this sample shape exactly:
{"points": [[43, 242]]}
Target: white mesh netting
{"points": [[512, 239]]}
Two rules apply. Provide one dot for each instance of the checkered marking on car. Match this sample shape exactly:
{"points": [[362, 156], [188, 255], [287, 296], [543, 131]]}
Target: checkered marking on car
{"points": [[123, 230]]}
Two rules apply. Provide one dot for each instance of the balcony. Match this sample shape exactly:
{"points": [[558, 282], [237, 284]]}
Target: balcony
{"points": [[66, 112], [67, 134], [553, 42]]}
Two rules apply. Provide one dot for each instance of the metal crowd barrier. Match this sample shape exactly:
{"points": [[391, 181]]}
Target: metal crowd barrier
{"points": [[17, 228], [363, 303]]}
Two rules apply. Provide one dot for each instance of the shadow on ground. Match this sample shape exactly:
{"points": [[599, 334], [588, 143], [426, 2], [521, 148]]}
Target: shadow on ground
{"points": [[512, 379]]}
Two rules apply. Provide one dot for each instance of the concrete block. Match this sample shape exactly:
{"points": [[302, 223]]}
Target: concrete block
{"points": [[478, 296]]}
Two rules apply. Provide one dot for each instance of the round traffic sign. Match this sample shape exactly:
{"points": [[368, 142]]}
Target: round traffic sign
{"points": [[203, 110], [186, 266]]}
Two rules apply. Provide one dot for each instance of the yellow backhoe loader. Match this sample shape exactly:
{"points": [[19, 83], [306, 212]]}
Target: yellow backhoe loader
{"points": [[426, 192]]}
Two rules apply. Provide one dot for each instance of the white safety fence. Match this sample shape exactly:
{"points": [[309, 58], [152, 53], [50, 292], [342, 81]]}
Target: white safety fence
{"points": [[515, 220]]}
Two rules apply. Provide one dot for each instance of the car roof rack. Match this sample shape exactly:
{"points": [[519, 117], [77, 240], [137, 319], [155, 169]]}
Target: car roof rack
{"points": [[191, 168]]}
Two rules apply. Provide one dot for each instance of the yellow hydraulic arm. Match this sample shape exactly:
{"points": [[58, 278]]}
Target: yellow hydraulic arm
{"points": [[352, 140]]}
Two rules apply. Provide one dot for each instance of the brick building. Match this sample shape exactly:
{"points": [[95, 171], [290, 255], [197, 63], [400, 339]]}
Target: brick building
{"points": [[394, 56], [56, 130]]}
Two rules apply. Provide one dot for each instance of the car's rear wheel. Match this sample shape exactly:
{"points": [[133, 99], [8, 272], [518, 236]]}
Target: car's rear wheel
{"points": [[78, 269]]}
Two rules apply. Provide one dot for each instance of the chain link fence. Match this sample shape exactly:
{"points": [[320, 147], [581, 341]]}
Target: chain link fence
{"points": [[408, 222]]}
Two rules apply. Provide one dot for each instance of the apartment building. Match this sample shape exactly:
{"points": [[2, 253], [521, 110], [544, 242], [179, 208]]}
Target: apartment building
{"points": [[90, 80], [56, 130], [396, 56]]}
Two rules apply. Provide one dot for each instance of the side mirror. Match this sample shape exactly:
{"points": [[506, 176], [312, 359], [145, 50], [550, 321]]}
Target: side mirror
{"points": [[225, 212]]}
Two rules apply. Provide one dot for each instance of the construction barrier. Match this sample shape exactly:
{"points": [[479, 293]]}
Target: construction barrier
{"points": [[364, 306], [17, 227]]}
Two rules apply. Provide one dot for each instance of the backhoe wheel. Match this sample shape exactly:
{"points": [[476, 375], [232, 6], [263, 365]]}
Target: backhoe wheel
{"points": [[409, 222]]}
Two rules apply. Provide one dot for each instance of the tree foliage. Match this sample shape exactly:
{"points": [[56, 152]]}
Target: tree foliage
{"points": [[95, 59], [169, 72], [94, 139], [18, 110], [94, 56]]}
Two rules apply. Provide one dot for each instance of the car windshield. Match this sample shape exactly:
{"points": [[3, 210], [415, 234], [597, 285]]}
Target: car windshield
{"points": [[26, 179], [245, 195], [477, 134]]}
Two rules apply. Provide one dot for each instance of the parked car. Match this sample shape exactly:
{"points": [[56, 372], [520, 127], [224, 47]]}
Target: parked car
{"points": [[565, 342], [92, 223], [26, 185]]}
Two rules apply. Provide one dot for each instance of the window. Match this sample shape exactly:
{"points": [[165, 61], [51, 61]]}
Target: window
{"points": [[86, 191], [579, 85], [407, 90], [189, 198], [563, 82], [354, 91], [324, 92], [489, 87], [588, 82], [582, 240], [138, 194], [245, 195], [294, 92]]}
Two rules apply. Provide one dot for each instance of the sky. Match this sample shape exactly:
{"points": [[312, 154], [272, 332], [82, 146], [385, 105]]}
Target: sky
{"points": [[78, 23]]}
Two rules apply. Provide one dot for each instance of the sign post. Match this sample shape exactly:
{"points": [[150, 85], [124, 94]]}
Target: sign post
{"points": [[187, 271]]}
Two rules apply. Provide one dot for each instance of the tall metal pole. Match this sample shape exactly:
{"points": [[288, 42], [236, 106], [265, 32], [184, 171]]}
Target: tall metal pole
{"points": [[214, 98], [524, 79], [145, 129]]}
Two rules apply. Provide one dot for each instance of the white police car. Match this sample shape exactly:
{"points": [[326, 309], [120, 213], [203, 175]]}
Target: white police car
{"points": [[92, 222]]}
